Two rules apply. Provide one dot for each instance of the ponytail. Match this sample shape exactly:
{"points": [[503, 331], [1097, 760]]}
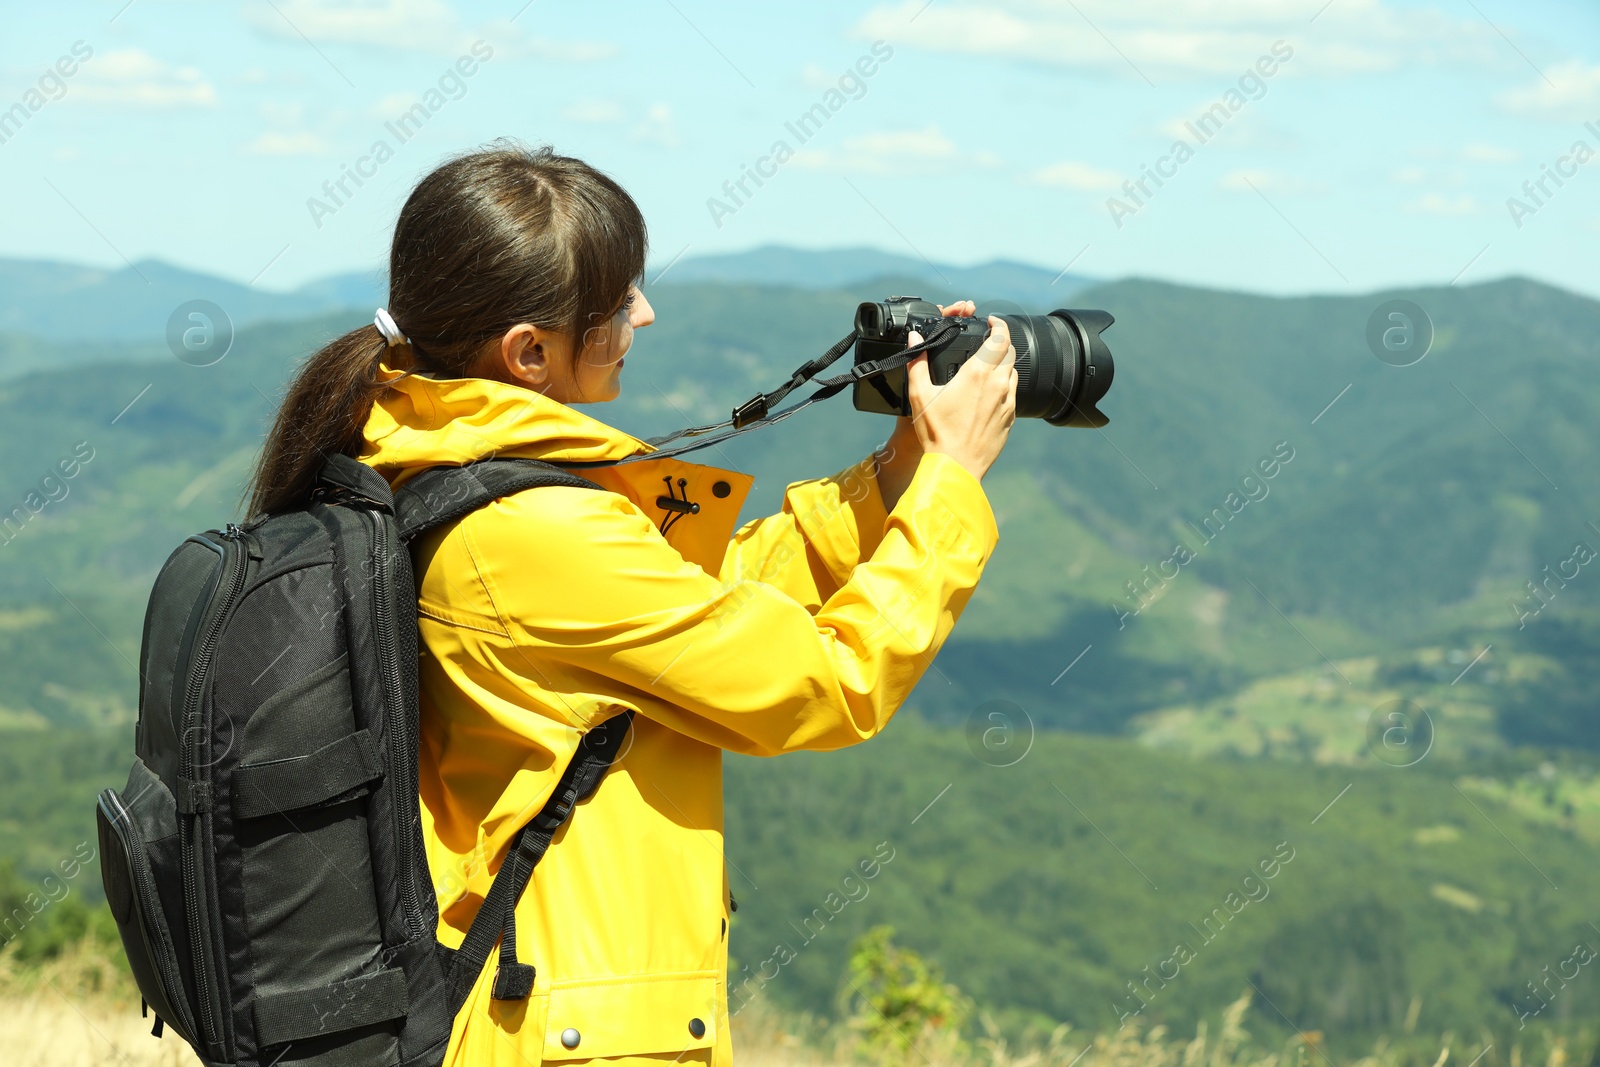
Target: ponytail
{"points": [[323, 412], [489, 239]]}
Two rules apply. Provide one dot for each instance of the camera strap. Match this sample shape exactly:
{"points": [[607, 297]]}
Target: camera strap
{"points": [[757, 407], [762, 409]]}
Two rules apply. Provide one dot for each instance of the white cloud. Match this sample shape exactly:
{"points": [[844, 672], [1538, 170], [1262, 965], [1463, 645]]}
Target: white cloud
{"points": [[1572, 94], [598, 112], [815, 77], [1246, 130], [658, 128], [417, 25], [1444, 167], [1439, 204], [132, 77], [273, 143], [1070, 175], [1171, 39], [510, 44], [1268, 181], [391, 104], [288, 133], [1488, 153], [421, 24], [262, 76], [898, 153]]}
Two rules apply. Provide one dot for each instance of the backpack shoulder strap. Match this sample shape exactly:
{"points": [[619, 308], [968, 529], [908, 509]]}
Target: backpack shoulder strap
{"points": [[441, 495], [495, 920], [343, 477], [431, 499]]}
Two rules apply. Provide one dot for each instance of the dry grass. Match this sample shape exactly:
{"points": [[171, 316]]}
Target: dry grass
{"points": [[770, 1040], [46, 1029], [80, 1009]]}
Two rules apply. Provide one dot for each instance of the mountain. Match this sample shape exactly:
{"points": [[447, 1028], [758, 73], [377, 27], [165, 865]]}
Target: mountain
{"points": [[846, 268], [63, 302], [1359, 541], [1406, 516], [44, 302]]}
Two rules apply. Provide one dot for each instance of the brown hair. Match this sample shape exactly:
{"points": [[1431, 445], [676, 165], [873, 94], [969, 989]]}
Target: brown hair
{"points": [[489, 239]]}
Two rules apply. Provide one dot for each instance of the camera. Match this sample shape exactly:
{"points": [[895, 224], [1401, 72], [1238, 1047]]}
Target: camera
{"points": [[1063, 365]]}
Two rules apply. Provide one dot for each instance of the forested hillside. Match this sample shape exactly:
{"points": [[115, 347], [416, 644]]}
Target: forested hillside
{"points": [[1277, 541]]}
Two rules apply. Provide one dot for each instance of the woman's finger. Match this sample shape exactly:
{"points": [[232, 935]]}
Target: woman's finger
{"points": [[920, 389], [997, 350]]}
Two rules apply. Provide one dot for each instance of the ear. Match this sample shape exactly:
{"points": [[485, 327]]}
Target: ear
{"points": [[525, 352]]}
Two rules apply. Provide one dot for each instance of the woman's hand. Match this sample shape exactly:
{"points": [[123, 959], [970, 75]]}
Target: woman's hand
{"points": [[970, 417], [898, 459]]}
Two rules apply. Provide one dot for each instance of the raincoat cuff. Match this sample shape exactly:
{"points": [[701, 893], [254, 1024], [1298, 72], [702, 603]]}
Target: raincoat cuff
{"points": [[942, 479]]}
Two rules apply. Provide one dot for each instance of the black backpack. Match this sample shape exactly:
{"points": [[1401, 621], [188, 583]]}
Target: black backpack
{"points": [[265, 864]]}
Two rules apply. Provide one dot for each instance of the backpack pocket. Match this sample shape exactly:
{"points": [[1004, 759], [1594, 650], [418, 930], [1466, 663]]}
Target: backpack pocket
{"points": [[139, 867], [324, 985]]}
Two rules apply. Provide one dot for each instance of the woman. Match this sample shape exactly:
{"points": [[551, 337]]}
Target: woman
{"points": [[513, 297]]}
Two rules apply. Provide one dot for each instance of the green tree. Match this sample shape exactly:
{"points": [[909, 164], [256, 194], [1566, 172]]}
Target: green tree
{"points": [[897, 1001]]}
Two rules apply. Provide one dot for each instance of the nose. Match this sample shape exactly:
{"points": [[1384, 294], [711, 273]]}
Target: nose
{"points": [[641, 313]]}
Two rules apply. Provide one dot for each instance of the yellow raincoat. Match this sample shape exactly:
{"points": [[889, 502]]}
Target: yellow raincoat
{"points": [[553, 609]]}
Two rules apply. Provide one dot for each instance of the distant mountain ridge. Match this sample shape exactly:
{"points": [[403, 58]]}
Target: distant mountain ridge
{"points": [[1350, 543], [843, 268], [70, 302]]}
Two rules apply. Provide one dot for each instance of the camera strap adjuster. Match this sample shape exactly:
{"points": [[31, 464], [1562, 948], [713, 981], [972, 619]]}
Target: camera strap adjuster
{"points": [[752, 410]]}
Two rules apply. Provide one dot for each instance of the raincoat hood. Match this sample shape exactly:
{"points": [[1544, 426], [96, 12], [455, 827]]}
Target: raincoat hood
{"points": [[425, 422]]}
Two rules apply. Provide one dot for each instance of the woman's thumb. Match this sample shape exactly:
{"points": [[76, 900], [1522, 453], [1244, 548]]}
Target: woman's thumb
{"points": [[998, 343], [919, 383]]}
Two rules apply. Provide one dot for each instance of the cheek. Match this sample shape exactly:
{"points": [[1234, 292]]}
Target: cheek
{"points": [[606, 357]]}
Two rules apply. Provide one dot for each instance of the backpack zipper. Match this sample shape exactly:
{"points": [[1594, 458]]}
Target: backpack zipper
{"points": [[207, 980], [402, 731]]}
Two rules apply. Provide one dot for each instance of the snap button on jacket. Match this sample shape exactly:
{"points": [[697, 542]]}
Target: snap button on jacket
{"points": [[551, 610]]}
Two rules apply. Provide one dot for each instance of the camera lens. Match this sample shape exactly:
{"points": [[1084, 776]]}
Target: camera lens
{"points": [[1063, 366]]}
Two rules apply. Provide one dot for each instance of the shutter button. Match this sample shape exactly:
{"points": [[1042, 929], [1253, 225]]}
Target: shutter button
{"points": [[571, 1037], [697, 1028], [721, 489]]}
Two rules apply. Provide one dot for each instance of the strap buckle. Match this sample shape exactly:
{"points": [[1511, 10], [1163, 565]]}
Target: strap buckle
{"points": [[552, 818], [750, 411]]}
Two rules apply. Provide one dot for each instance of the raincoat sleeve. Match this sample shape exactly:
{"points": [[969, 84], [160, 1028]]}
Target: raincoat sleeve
{"points": [[809, 549], [741, 664]]}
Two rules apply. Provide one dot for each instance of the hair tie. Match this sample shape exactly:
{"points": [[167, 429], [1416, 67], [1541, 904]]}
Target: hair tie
{"points": [[386, 326]]}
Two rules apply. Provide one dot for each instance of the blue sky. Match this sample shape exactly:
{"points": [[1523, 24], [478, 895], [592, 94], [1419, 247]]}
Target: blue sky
{"points": [[1380, 152]]}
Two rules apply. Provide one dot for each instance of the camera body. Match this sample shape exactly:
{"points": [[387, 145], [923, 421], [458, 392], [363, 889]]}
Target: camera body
{"points": [[1063, 365]]}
